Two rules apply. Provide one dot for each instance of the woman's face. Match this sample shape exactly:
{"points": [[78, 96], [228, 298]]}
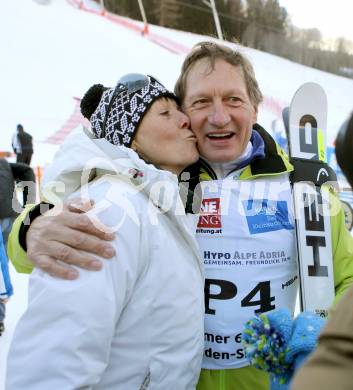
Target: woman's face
{"points": [[164, 138]]}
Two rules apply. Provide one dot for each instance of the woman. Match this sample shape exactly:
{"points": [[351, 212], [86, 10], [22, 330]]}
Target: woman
{"points": [[137, 323]]}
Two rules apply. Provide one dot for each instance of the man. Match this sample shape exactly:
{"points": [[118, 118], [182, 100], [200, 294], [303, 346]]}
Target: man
{"points": [[246, 226], [22, 145]]}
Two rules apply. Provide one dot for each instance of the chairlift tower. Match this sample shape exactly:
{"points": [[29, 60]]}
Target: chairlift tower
{"points": [[212, 5]]}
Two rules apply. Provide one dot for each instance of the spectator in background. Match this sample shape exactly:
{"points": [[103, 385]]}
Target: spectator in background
{"points": [[9, 209], [10, 173], [6, 289], [22, 145]]}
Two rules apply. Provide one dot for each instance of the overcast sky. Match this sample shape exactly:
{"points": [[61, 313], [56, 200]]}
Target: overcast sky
{"points": [[332, 18]]}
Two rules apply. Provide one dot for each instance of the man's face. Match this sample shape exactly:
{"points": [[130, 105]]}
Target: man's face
{"points": [[219, 109]]}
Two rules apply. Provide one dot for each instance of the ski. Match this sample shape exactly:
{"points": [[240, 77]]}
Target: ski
{"points": [[305, 122]]}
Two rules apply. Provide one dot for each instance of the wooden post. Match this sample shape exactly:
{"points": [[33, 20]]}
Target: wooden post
{"points": [[143, 14]]}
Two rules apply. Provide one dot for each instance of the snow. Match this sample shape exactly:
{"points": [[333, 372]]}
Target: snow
{"points": [[52, 52]]}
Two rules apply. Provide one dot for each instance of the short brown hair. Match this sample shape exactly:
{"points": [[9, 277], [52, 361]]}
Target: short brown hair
{"points": [[214, 51]]}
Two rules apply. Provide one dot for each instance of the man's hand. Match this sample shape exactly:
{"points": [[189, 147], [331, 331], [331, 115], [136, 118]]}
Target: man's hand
{"points": [[64, 237]]}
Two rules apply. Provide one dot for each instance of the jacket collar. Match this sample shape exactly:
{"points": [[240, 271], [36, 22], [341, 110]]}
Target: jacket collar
{"points": [[271, 160], [275, 161], [82, 157]]}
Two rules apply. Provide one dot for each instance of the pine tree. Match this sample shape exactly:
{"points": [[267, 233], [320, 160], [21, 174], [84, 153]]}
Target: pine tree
{"points": [[231, 14], [167, 13]]}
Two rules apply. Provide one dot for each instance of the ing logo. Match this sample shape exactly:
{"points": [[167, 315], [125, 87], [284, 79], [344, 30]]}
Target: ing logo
{"points": [[210, 214]]}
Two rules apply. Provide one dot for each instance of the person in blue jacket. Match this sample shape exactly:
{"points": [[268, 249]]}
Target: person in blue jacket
{"points": [[6, 289]]}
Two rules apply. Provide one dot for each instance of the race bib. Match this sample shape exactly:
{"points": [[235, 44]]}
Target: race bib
{"points": [[246, 237]]}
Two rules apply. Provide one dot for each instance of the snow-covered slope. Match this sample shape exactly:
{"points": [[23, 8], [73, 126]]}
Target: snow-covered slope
{"points": [[52, 51]]}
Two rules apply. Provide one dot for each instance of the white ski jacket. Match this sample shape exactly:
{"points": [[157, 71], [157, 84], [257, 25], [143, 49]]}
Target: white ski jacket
{"points": [[137, 323]]}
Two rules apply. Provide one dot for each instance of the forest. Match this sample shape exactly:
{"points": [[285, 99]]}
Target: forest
{"points": [[260, 24]]}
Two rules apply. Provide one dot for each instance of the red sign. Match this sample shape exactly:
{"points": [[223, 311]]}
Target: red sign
{"points": [[210, 216]]}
